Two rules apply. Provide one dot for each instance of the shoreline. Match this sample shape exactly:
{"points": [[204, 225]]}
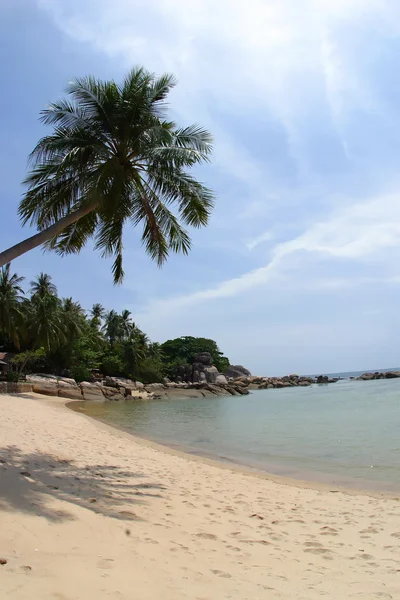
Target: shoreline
{"points": [[177, 449], [129, 517]]}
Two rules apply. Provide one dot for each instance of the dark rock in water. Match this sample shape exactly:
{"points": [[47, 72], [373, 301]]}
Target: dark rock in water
{"points": [[322, 379], [392, 374], [236, 371], [379, 375]]}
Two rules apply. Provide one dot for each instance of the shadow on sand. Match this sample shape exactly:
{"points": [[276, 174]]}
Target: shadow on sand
{"points": [[29, 481]]}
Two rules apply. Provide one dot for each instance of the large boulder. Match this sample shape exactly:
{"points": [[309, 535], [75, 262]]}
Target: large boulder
{"points": [[221, 380], [203, 358], [43, 384], [92, 392], [392, 374], [236, 371], [211, 374]]}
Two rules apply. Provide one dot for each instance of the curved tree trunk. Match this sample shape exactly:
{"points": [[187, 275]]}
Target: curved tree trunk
{"points": [[43, 236]]}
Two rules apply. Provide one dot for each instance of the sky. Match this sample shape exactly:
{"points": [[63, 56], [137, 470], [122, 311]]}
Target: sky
{"points": [[298, 270]]}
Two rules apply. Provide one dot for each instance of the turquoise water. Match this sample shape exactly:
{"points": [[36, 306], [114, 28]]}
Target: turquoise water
{"points": [[347, 433]]}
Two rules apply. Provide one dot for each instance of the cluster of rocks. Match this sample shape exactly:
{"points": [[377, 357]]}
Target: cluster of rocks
{"points": [[378, 375], [118, 388], [112, 388], [200, 371], [268, 383]]}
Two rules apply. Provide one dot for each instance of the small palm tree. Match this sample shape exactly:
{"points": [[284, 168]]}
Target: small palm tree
{"points": [[11, 307], [111, 326], [42, 286], [44, 325], [73, 318], [126, 324], [97, 311], [114, 158]]}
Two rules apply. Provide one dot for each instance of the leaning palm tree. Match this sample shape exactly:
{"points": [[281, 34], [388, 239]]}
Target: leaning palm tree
{"points": [[42, 286], [11, 297], [114, 158]]}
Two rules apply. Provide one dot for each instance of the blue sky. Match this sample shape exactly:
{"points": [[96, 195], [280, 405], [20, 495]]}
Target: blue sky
{"points": [[299, 268]]}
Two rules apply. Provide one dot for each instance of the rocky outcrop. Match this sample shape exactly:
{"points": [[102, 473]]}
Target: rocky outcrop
{"points": [[379, 375], [235, 371], [287, 381], [201, 371]]}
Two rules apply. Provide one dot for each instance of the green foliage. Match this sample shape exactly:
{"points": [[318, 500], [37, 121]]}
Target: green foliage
{"points": [[184, 349], [115, 158], [11, 299], [12, 376], [150, 370], [57, 336]]}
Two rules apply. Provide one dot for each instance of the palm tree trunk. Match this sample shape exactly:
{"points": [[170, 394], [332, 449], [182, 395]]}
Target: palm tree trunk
{"points": [[24, 363], [43, 236]]}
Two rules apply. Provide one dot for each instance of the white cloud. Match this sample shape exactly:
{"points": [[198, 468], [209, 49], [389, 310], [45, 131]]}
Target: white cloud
{"points": [[297, 73], [359, 233]]}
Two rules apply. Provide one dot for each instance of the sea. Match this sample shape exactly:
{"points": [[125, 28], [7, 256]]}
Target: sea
{"points": [[344, 434]]}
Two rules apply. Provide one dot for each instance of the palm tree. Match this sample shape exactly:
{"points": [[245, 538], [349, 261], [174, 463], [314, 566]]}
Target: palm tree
{"points": [[44, 325], [126, 324], [114, 158], [73, 318], [97, 311], [11, 296], [111, 326], [42, 286]]}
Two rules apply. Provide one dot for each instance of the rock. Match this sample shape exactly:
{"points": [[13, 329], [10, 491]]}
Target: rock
{"points": [[92, 392], [322, 379], [154, 386], [392, 374], [304, 383], [211, 374], [202, 378], [3, 561], [221, 380], [71, 392], [112, 393], [142, 395], [240, 382], [203, 358], [111, 382], [236, 371], [166, 380], [366, 376]]}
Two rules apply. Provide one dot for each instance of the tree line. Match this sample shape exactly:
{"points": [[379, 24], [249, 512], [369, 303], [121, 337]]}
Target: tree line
{"points": [[50, 334]]}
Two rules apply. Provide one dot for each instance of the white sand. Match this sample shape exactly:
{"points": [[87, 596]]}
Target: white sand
{"points": [[88, 513]]}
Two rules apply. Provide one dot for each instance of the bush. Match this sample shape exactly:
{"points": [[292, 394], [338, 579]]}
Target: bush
{"points": [[81, 373], [12, 376], [149, 371]]}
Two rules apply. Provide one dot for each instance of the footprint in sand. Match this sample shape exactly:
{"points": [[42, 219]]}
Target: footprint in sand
{"points": [[221, 573], [206, 536]]}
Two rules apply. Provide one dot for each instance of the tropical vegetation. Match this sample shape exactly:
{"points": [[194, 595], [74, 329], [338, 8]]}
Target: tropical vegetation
{"points": [[113, 158], [50, 334]]}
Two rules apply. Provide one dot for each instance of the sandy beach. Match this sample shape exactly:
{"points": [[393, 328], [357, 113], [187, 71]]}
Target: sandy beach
{"points": [[87, 511]]}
